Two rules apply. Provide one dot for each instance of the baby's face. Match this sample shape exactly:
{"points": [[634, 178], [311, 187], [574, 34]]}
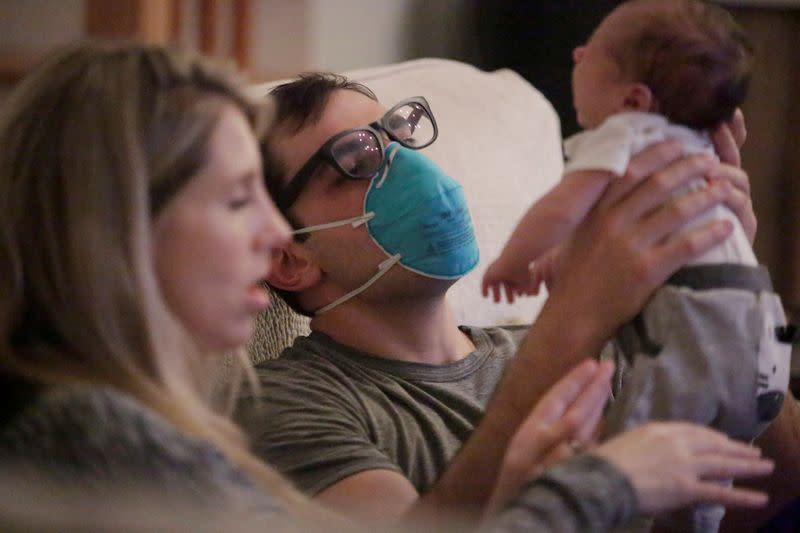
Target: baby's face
{"points": [[597, 83]]}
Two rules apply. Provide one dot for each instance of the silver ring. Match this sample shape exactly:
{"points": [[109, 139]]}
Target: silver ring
{"points": [[576, 446]]}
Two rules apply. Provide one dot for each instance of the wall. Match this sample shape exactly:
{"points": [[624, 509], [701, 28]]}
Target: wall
{"points": [[39, 23], [288, 35]]}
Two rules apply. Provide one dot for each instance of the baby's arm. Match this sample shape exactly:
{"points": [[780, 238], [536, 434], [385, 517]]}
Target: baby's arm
{"points": [[546, 223]]}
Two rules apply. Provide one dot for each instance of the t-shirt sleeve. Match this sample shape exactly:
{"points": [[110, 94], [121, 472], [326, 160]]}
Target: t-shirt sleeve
{"points": [[585, 494], [311, 426]]}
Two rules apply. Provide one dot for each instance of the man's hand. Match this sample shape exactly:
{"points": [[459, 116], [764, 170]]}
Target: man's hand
{"points": [[728, 138], [633, 240]]}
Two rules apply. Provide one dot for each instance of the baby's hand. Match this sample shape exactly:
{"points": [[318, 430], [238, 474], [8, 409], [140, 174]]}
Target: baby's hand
{"points": [[514, 279], [544, 270]]}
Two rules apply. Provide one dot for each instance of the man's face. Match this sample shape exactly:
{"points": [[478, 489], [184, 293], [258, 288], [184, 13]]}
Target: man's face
{"points": [[328, 195], [347, 256]]}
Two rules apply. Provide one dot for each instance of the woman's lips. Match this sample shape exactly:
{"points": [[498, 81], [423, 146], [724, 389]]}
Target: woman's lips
{"points": [[257, 298]]}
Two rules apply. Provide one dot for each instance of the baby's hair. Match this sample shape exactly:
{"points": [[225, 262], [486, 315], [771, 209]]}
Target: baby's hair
{"points": [[692, 55]]}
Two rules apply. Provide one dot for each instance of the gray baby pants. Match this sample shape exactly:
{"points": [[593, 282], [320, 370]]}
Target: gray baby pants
{"points": [[706, 349]]}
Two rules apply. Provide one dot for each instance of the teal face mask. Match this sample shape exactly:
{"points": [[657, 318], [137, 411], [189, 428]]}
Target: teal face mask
{"points": [[418, 216], [421, 214]]}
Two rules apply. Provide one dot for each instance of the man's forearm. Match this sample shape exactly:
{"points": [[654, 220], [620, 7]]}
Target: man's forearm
{"points": [[548, 352], [781, 443]]}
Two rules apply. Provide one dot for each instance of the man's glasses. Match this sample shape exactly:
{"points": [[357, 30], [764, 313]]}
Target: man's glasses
{"points": [[358, 153]]}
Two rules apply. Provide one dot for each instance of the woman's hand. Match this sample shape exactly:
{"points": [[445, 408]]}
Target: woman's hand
{"points": [[564, 419], [673, 464]]}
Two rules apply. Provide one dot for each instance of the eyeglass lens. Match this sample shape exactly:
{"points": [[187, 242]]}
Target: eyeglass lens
{"points": [[359, 153], [409, 125]]}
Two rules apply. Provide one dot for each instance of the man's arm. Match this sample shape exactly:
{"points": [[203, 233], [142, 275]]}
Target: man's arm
{"points": [[781, 443], [624, 250], [573, 405]]}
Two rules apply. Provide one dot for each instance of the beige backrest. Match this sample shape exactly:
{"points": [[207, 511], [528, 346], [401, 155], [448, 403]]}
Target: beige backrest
{"points": [[498, 136]]}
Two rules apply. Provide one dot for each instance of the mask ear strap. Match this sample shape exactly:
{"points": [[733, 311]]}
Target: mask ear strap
{"points": [[383, 268], [355, 222]]}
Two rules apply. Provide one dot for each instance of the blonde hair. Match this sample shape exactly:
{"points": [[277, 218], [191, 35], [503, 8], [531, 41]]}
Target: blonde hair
{"points": [[94, 143]]}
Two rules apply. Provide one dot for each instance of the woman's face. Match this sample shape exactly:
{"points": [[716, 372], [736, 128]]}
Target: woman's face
{"points": [[212, 241]]}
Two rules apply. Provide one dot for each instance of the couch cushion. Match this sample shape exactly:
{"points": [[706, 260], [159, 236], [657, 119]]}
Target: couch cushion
{"points": [[499, 137]]}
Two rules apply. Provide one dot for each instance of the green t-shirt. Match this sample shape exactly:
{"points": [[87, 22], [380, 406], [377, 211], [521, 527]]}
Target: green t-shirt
{"points": [[328, 411]]}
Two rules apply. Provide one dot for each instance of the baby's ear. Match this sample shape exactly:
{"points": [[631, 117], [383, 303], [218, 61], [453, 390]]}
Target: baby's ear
{"points": [[638, 97], [293, 269]]}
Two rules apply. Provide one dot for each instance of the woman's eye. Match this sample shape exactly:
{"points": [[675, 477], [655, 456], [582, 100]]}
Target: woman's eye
{"points": [[239, 201], [240, 196]]}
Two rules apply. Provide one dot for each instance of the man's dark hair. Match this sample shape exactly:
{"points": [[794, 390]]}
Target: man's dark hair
{"points": [[298, 105], [692, 55]]}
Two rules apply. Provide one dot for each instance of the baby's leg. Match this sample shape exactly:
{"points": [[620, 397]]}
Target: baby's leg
{"points": [[697, 356]]}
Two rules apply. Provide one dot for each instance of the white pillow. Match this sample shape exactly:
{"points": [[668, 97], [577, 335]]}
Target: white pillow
{"points": [[499, 137]]}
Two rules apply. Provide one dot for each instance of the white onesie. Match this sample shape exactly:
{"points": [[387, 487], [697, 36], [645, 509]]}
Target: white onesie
{"points": [[611, 146], [709, 347]]}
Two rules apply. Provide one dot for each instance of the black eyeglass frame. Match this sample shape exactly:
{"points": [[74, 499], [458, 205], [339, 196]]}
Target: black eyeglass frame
{"points": [[289, 194]]}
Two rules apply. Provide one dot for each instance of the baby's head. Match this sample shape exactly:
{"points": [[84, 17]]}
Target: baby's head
{"points": [[685, 59]]}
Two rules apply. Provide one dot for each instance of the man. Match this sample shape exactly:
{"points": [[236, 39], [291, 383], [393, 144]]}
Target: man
{"points": [[367, 413]]}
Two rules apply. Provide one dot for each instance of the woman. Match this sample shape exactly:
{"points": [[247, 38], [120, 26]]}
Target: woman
{"points": [[135, 232], [117, 161]]}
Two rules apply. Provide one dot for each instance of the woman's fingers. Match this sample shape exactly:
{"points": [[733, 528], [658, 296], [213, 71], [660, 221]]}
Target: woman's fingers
{"points": [[726, 467], [709, 441], [561, 396], [531, 450], [587, 410], [710, 492]]}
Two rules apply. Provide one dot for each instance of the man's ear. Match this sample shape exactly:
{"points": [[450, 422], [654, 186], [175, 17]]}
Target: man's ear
{"points": [[638, 97], [293, 269]]}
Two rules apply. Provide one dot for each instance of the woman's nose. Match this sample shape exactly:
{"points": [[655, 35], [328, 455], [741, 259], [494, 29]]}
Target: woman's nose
{"points": [[275, 232], [577, 53]]}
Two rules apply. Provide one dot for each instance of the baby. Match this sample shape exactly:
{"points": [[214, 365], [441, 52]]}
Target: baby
{"points": [[712, 344]]}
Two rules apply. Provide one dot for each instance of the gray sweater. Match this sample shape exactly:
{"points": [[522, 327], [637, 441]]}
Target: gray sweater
{"points": [[96, 439]]}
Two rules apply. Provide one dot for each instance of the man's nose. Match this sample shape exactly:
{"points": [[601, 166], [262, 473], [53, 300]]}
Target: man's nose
{"points": [[577, 53]]}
